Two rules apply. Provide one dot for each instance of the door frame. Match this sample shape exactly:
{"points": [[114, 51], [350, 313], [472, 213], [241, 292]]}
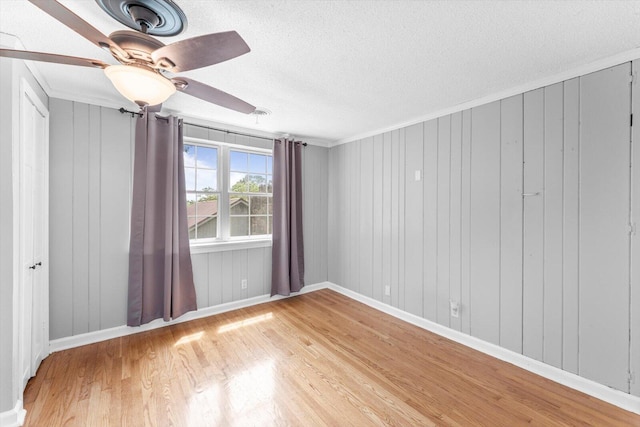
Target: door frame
{"points": [[26, 90]]}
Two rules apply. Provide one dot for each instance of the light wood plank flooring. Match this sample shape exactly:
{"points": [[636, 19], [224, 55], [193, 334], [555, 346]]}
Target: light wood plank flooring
{"points": [[316, 359]]}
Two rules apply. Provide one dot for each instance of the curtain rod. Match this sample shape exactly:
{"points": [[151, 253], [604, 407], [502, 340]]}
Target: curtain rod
{"points": [[133, 113]]}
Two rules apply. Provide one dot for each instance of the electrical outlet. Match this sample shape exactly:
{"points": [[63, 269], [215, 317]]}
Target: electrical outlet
{"points": [[416, 175], [455, 308], [387, 290], [244, 283]]}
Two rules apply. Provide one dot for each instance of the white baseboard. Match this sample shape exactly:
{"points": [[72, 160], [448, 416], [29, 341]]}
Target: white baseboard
{"points": [[121, 331], [13, 417], [592, 388]]}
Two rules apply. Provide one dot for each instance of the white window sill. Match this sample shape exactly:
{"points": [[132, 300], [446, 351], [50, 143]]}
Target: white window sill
{"points": [[230, 245]]}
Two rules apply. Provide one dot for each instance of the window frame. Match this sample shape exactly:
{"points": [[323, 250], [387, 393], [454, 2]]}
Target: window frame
{"points": [[225, 241]]}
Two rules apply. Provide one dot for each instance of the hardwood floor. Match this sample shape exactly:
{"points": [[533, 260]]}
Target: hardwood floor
{"points": [[316, 359]]}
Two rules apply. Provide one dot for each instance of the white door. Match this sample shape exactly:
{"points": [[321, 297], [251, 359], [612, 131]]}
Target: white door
{"points": [[33, 218]]}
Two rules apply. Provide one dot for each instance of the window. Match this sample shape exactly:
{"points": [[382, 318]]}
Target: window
{"points": [[250, 193], [201, 181], [229, 191]]}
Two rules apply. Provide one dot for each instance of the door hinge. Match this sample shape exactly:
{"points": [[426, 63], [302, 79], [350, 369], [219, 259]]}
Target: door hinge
{"points": [[631, 121], [632, 228], [631, 378]]}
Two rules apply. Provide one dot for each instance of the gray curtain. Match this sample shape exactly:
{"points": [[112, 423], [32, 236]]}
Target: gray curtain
{"points": [[160, 274], [287, 272]]}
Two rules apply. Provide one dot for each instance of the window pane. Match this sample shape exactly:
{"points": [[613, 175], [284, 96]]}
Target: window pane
{"points": [[207, 180], [203, 197], [269, 184], [207, 206], [189, 155], [190, 178], [207, 157], [191, 223], [258, 225], [270, 218], [207, 227], [238, 161], [258, 205], [269, 164], [238, 206], [257, 183], [257, 163], [238, 182], [239, 225], [270, 205]]}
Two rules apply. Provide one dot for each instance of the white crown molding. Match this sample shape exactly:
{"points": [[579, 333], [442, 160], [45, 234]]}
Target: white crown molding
{"points": [[581, 70], [12, 42], [592, 388], [13, 417]]}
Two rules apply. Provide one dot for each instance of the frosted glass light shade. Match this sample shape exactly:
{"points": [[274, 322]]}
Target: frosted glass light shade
{"points": [[140, 85]]}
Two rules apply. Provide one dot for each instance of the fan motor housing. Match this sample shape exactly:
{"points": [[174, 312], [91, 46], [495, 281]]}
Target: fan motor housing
{"points": [[155, 17]]}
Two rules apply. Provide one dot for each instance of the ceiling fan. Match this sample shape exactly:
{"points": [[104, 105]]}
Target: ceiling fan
{"points": [[144, 74]]}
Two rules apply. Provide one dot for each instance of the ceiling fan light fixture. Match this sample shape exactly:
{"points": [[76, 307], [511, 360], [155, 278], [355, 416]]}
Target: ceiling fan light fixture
{"points": [[140, 85]]}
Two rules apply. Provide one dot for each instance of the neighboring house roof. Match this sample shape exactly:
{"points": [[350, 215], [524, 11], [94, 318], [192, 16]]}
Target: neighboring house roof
{"points": [[206, 211]]}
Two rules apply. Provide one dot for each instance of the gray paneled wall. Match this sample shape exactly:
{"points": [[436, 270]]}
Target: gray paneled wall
{"points": [[518, 210], [91, 157]]}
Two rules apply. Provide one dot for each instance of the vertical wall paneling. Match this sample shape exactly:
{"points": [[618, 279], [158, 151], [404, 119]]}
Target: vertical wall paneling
{"points": [[255, 267], [239, 268], [314, 213], [354, 215], [320, 223], [443, 220], [94, 213], [339, 232], [214, 278], [524, 221], [533, 266], [413, 265], [60, 222], [604, 233], [402, 218], [91, 158], [553, 215], [455, 218], [485, 223], [570, 226], [308, 211], [634, 317], [511, 223], [395, 220], [267, 271], [333, 219], [115, 205], [430, 219], [365, 223], [377, 212], [465, 221], [80, 215], [386, 217], [200, 266]]}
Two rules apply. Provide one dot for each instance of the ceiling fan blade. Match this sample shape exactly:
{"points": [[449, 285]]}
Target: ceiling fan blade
{"points": [[50, 57], [211, 94], [77, 24], [201, 51]]}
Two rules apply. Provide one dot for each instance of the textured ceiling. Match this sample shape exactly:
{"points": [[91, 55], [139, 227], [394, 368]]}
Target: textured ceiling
{"points": [[331, 70]]}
